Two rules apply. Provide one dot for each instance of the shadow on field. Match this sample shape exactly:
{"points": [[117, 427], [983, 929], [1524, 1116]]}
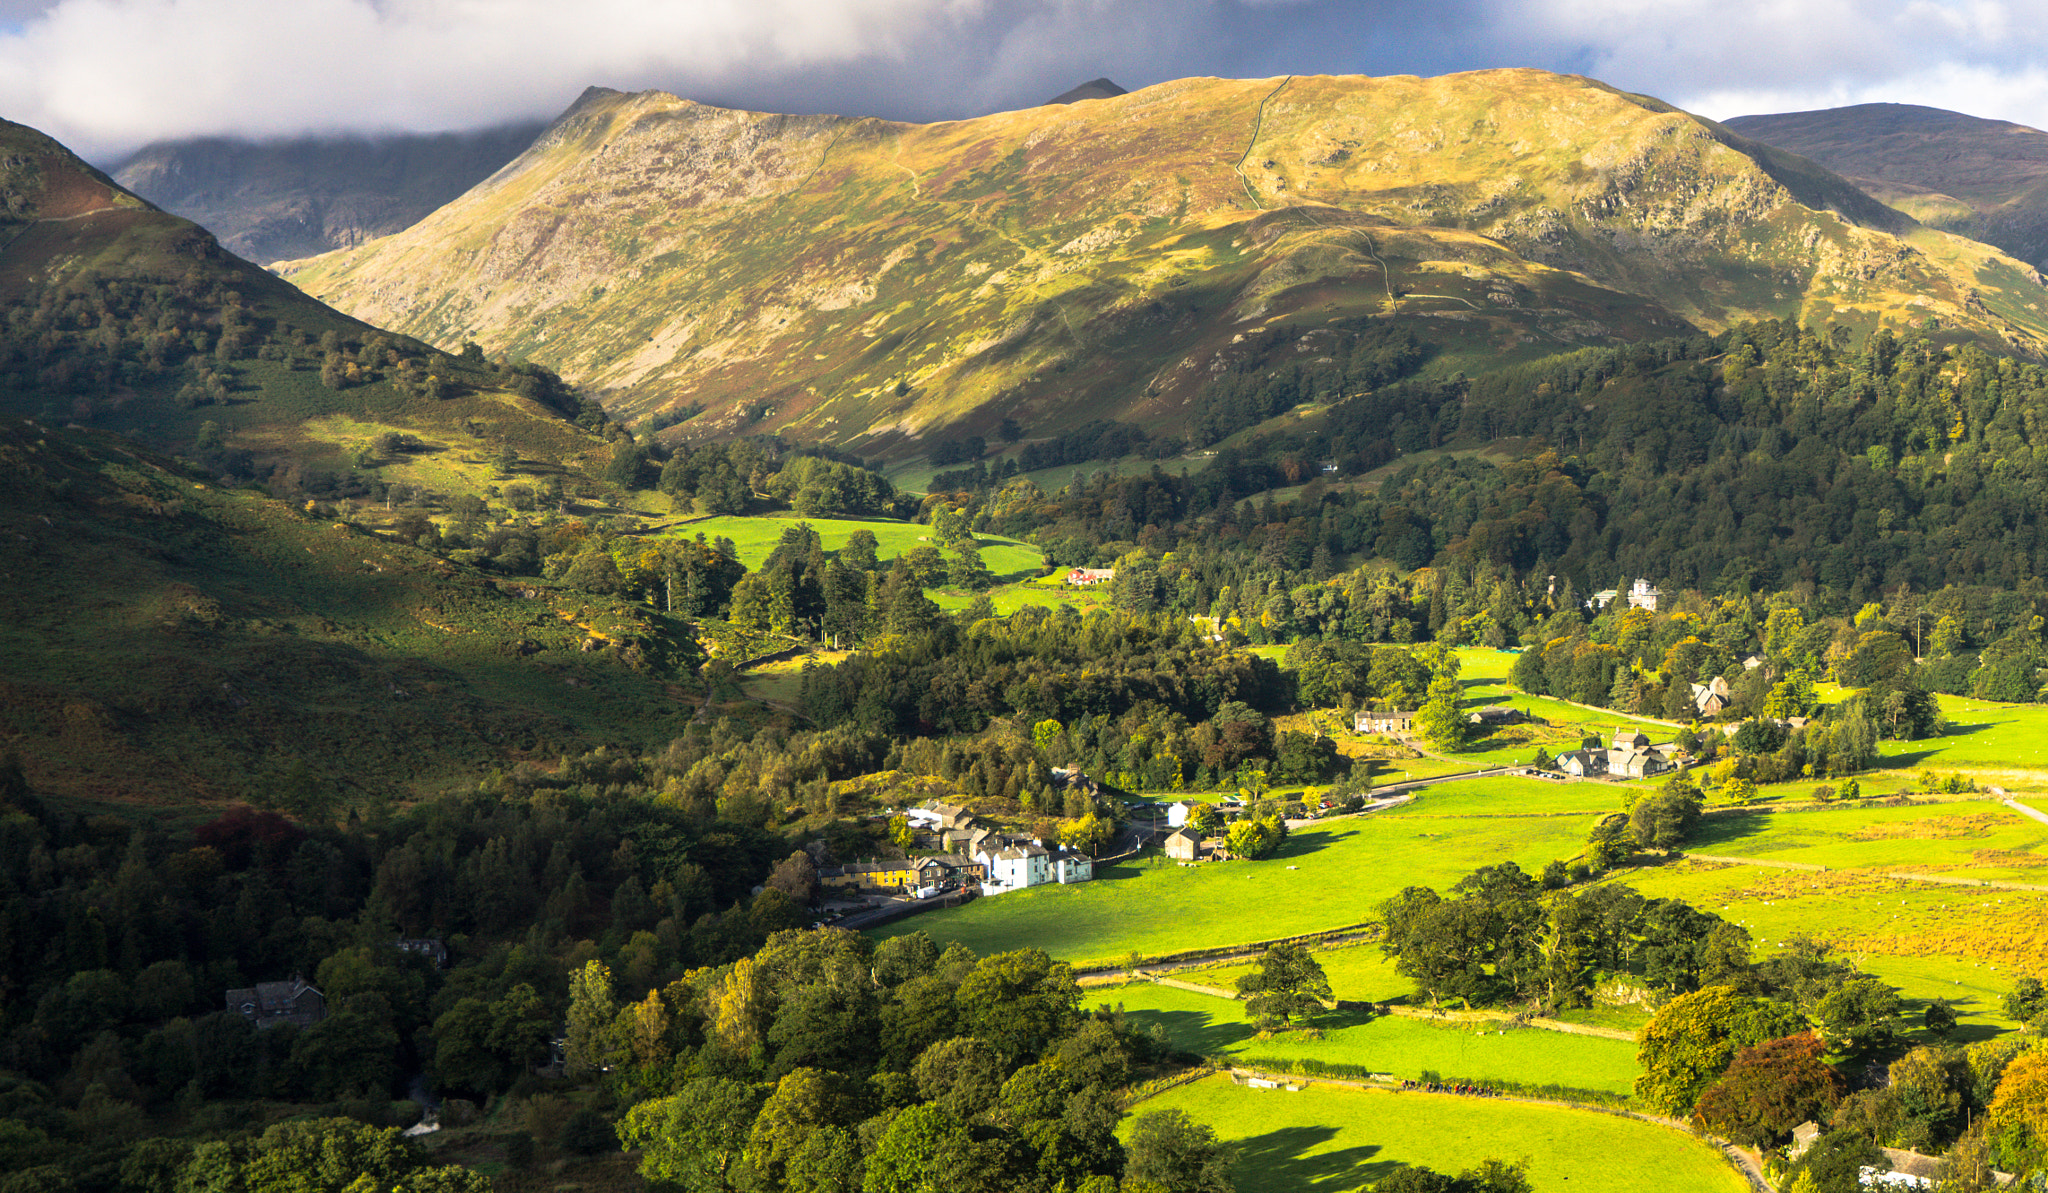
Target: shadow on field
{"points": [[1195, 1031], [1298, 844], [1275, 1160]]}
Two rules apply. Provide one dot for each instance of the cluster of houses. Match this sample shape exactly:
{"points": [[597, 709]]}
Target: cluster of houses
{"points": [[1630, 756], [975, 856], [1090, 577]]}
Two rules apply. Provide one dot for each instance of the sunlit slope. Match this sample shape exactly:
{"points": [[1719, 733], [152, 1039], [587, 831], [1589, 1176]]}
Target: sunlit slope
{"points": [[113, 313], [861, 281]]}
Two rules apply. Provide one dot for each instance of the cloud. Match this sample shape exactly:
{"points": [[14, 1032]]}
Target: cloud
{"points": [[108, 75], [1738, 57]]}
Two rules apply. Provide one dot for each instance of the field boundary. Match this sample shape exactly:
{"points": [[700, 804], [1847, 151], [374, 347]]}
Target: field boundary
{"points": [[1366, 930], [1811, 867]]}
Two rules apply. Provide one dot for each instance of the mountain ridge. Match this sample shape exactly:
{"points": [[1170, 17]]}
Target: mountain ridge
{"points": [[273, 200], [864, 282], [1982, 178]]}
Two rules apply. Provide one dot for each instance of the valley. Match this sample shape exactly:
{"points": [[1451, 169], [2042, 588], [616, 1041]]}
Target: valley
{"points": [[1476, 634]]}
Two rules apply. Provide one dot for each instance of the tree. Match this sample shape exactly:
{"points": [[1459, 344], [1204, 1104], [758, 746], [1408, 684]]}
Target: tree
{"points": [[1413, 1178], [1287, 984], [1689, 1042], [2019, 1110], [1939, 1019], [1256, 837], [1860, 1017], [1440, 720], [1170, 1151], [797, 877], [911, 1155], [1020, 1001], [592, 1012], [1664, 819], [696, 1137], [1769, 1089]]}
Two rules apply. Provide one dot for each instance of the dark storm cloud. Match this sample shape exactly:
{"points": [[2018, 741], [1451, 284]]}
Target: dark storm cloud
{"points": [[107, 75]]}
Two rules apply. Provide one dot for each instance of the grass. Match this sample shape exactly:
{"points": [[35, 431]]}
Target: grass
{"points": [[756, 538], [1357, 973], [1391, 1044], [1977, 839], [1331, 1140], [1341, 871]]}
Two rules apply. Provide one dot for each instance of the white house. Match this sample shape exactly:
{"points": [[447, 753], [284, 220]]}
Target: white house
{"points": [[1013, 867], [1177, 813], [1071, 865]]}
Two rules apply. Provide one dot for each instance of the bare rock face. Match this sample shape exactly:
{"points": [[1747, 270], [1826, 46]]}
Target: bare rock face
{"points": [[863, 282], [270, 201]]}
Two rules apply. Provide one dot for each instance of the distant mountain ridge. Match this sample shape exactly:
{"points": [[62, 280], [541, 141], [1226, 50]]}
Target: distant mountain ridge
{"points": [[1985, 179], [273, 200], [871, 283]]}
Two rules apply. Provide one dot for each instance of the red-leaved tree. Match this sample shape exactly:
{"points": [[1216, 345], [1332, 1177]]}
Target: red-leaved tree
{"points": [[1768, 1090]]}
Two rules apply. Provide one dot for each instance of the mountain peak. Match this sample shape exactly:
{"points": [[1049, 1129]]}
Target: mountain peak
{"points": [[1092, 89]]}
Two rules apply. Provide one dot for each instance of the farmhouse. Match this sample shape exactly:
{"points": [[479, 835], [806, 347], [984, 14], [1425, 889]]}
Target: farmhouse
{"points": [[1089, 577], [1710, 698], [1383, 721], [1632, 756], [267, 1004], [1184, 845]]}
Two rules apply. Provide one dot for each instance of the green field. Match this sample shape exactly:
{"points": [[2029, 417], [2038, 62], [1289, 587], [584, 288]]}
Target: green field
{"points": [[2012, 738], [756, 538], [1978, 839], [1392, 1044], [1340, 873], [1331, 1139], [1357, 973]]}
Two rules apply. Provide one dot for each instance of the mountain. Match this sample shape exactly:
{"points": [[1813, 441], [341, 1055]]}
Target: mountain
{"points": [[273, 200], [1092, 89], [870, 283], [123, 317], [1985, 179]]}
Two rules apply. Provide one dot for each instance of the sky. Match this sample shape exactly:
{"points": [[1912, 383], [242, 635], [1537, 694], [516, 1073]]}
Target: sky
{"points": [[107, 76]]}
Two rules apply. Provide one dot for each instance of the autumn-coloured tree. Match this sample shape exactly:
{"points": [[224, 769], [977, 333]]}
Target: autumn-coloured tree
{"points": [[1769, 1089]]}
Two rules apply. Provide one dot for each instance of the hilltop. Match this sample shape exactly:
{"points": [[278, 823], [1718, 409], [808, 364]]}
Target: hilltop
{"points": [[274, 200], [871, 284], [1985, 179]]}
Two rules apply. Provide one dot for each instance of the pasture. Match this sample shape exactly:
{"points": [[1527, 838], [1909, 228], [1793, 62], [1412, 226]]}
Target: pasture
{"points": [[755, 537], [1396, 1045], [1335, 1140], [1326, 876]]}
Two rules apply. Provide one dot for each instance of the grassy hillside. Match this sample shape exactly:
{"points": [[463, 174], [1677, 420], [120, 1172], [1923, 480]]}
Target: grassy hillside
{"points": [[867, 283], [1985, 179], [181, 643], [116, 315]]}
